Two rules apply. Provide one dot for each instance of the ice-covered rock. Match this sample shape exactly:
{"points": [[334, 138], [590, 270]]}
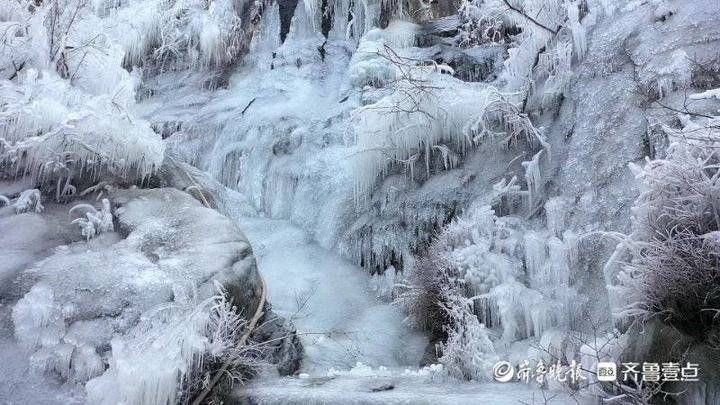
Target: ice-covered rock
{"points": [[97, 310]]}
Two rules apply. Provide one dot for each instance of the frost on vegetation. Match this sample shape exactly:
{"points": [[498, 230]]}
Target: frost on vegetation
{"points": [[671, 257], [63, 36], [169, 364], [418, 113], [496, 283], [166, 35], [29, 201], [94, 221], [53, 132], [468, 351], [431, 114], [19, 45], [480, 25], [541, 37], [66, 101]]}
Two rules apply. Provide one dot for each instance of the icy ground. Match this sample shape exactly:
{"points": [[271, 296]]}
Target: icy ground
{"points": [[403, 388], [19, 381], [330, 301], [357, 349]]}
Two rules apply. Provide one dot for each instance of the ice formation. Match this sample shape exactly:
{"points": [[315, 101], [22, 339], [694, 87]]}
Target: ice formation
{"points": [[472, 156], [54, 132], [29, 200], [144, 304], [95, 221]]}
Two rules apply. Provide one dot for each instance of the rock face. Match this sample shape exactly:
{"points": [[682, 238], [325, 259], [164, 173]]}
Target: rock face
{"points": [[283, 346], [132, 311], [656, 340]]}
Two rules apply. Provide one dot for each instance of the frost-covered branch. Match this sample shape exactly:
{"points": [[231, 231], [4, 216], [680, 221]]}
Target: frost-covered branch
{"points": [[530, 18], [672, 271], [94, 221]]}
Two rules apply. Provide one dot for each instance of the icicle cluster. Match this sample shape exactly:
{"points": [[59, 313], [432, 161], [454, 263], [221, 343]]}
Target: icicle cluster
{"points": [[513, 281], [184, 33], [53, 132], [425, 111], [156, 368]]}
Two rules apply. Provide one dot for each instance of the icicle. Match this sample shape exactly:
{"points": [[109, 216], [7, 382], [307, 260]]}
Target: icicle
{"points": [[571, 242], [559, 270], [578, 31], [555, 215], [534, 256], [533, 178]]}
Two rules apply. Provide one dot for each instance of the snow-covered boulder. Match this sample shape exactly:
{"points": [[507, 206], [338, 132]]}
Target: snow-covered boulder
{"points": [[134, 311]]}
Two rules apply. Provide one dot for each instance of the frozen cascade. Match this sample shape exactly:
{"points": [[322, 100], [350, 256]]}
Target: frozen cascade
{"points": [[460, 167], [494, 261], [331, 302], [283, 139]]}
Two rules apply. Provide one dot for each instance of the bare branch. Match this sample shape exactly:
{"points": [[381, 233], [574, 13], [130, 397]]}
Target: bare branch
{"points": [[531, 19]]}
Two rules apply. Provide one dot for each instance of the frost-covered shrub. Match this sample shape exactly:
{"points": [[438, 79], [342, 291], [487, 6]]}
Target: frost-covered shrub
{"points": [[29, 201], [426, 114], [488, 280], [66, 101], [422, 293], [468, 351], [519, 279], [421, 111], [55, 133], [548, 34], [65, 36], [172, 363], [481, 24], [15, 50], [94, 221], [674, 271], [164, 35]]}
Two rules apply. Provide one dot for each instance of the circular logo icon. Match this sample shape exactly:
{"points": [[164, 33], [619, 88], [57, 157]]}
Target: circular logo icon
{"points": [[503, 371]]}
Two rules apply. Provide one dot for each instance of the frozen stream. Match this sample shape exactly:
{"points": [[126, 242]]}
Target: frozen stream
{"points": [[340, 320], [341, 324]]}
